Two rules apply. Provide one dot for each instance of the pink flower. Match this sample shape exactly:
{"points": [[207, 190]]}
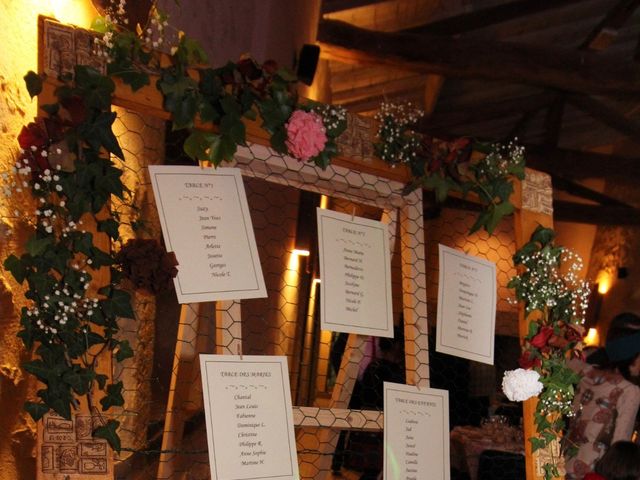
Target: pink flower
{"points": [[306, 135]]}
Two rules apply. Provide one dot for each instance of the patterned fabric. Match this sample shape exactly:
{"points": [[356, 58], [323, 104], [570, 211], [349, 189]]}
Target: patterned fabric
{"points": [[605, 408]]}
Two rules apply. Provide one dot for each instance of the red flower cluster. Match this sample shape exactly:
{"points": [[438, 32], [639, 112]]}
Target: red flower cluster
{"points": [[147, 264], [443, 154]]}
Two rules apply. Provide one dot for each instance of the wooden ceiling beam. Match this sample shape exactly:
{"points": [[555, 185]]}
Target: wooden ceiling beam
{"points": [[606, 115], [458, 57], [576, 164], [486, 17], [605, 33], [331, 6], [469, 114], [563, 211], [378, 90], [553, 121], [578, 190]]}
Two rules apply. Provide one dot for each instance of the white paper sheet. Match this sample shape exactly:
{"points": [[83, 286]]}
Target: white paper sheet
{"points": [[249, 417], [205, 221], [416, 433], [355, 269], [466, 306]]}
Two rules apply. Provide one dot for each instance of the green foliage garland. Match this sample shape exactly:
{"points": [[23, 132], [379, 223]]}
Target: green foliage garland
{"points": [[444, 166]]}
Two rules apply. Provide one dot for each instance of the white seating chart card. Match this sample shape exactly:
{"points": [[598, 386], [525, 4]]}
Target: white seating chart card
{"points": [[205, 221], [466, 306], [416, 433], [355, 269], [249, 417]]}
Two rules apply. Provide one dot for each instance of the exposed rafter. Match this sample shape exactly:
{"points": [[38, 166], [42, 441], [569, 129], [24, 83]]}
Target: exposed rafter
{"points": [[563, 211], [576, 164], [595, 214], [330, 6], [578, 190], [606, 31], [606, 115], [551, 67], [487, 111], [486, 17]]}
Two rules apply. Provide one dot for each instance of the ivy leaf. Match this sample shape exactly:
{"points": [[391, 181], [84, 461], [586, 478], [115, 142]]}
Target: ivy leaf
{"points": [[33, 82], [114, 396], [110, 227], [36, 410], [121, 304], [102, 380], [200, 145], [496, 214], [232, 126], [99, 134], [37, 246], [124, 351], [40, 370], [131, 76], [80, 380], [109, 433], [543, 236], [14, 265]]}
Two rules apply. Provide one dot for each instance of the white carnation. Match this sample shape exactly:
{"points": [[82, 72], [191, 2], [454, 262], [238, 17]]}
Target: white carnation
{"points": [[519, 385]]}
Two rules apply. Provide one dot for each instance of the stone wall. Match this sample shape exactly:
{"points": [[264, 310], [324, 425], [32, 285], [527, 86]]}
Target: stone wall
{"points": [[18, 37]]}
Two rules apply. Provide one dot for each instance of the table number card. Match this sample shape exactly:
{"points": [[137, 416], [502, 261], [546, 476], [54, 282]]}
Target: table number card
{"points": [[249, 417], [416, 433], [466, 306], [205, 221], [355, 267]]}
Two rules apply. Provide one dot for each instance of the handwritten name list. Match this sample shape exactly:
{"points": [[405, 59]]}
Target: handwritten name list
{"points": [[249, 417], [466, 306], [205, 221], [355, 272], [416, 428]]}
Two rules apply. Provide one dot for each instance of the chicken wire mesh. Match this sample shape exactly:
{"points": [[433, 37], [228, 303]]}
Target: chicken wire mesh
{"points": [[163, 429]]}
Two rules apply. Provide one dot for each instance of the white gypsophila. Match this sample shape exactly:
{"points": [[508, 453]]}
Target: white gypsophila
{"points": [[520, 384]]}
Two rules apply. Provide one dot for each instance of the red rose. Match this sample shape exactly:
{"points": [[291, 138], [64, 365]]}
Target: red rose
{"points": [[558, 342], [542, 337], [527, 361]]}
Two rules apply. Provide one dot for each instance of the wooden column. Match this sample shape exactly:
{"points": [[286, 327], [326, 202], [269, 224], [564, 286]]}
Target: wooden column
{"points": [[533, 201]]}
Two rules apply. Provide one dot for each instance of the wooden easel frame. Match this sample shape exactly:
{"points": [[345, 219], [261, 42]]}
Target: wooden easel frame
{"points": [[62, 47]]}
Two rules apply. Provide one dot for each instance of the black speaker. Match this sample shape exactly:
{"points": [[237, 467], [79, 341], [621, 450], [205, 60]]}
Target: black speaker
{"points": [[308, 63]]}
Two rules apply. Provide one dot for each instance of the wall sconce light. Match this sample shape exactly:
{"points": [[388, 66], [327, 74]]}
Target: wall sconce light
{"points": [[592, 339]]}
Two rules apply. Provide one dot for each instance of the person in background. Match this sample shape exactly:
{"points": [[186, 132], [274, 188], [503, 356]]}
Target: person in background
{"points": [[620, 462], [607, 398]]}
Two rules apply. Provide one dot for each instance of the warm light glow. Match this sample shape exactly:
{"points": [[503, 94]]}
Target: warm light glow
{"points": [[324, 202], [593, 338], [316, 280], [76, 12], [294, 262], [301, 253], [604, 282]]}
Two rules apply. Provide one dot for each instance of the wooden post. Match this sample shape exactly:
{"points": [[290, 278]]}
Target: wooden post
{"points": [[533, 201]]}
